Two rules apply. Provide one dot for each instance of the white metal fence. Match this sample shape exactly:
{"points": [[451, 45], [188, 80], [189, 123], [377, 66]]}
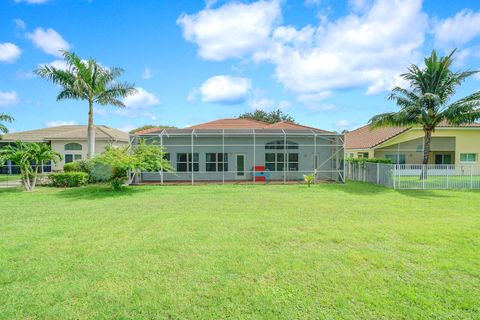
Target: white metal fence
{"points": [[415, 176]]}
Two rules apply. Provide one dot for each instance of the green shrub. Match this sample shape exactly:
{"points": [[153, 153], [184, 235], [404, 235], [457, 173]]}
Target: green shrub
{"points": [[366, 160], [85, 166], [69, 179], [72, 167], [117, 183], [309, 178]]}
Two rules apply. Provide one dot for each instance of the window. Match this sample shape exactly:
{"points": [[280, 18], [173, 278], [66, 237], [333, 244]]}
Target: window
{"points": [[280, 145], [468, 157], [276, 161], [443, 159], [185, 161], [73, 147], [363, 155], [216, 162], [396, 158], [72, 157]]}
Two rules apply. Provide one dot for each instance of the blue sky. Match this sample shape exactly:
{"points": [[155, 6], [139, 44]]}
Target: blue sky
{"points": [[328, 63]]}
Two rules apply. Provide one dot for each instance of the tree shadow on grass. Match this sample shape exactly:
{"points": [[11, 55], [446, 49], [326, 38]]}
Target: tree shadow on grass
{"points": [[95, 192], [360, 188], [11, 190]]}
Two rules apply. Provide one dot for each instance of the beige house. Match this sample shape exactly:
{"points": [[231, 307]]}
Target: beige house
{"points": [[70, 140], [403, 145]]}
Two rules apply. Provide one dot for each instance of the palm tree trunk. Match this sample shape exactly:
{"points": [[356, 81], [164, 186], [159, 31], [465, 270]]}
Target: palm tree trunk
{"points": [[91, 131], [426, 152]]}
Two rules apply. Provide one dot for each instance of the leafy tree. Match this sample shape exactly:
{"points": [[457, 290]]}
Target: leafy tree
{"points": [[268, 117], [29, 156], [150, 126], [89, 81], [114, 163], [426, 103], [4, 118]]}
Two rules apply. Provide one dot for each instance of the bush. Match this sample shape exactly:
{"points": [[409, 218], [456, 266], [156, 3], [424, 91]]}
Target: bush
{"points": [[69, 179], [117, 183], [72, 167], [309, 178], [366, 160]]}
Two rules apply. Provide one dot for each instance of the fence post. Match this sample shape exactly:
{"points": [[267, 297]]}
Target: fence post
{"points": [[378, 173], [471, 176], [447, 174], [424, 175]]}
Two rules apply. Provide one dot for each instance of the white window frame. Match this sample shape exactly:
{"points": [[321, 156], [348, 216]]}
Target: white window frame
{"points": [[217, 163], [467, 154]]}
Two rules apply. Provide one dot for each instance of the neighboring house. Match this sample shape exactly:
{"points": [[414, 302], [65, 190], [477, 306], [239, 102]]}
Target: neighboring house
{"points": [[450, 144], [70, 141], [228, 150]]}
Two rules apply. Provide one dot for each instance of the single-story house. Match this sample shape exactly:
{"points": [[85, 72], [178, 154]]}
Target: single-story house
{"points": [[403, 145], [245, 150], [69, 140]]}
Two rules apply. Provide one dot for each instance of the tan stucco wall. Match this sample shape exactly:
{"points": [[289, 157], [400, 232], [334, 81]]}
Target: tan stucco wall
{"points": [[59, 146], [467, 140]]}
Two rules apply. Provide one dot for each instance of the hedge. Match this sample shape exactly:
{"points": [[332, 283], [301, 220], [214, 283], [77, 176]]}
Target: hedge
{"points": [[72, 167], [366, 160], [69, 179]]}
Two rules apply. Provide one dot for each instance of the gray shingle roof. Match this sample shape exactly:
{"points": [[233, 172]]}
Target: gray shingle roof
{"points": [[69, 132]]}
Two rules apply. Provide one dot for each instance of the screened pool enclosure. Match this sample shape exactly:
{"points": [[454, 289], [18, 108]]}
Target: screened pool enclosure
{"points": [[245, 155]]}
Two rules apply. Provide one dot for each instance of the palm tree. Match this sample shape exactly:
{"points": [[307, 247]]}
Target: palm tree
{"points": [[4, 118], [426, 103], [29, 156], [88, 80]]}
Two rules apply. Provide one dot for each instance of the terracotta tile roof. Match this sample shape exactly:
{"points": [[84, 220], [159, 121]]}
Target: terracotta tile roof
{"points": [[149, 130], [231, 124], [71, 132], [291, 125], [366, 138], [235, 123]]}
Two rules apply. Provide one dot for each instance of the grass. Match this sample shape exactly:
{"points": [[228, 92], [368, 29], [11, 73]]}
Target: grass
{"points": [[239, 251], [9, 177]]}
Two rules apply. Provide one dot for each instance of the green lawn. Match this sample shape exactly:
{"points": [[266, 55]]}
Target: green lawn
{"points": [[9, 177], [239, 251]]}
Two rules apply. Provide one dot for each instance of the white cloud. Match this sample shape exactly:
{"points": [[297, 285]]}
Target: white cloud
{"points": [[457, 30], [24, 75], [368, 48], [9, 52], [60, 123], [313, 99], [49, 40], [342, 125], [266, 104], [147, 73], [100, 111], [262, 104], [32, 1], [358, 50], [224, 89], [127, 127], [20, 24], [233, 30], [58, 64], [9, 98], [142, 99]]}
